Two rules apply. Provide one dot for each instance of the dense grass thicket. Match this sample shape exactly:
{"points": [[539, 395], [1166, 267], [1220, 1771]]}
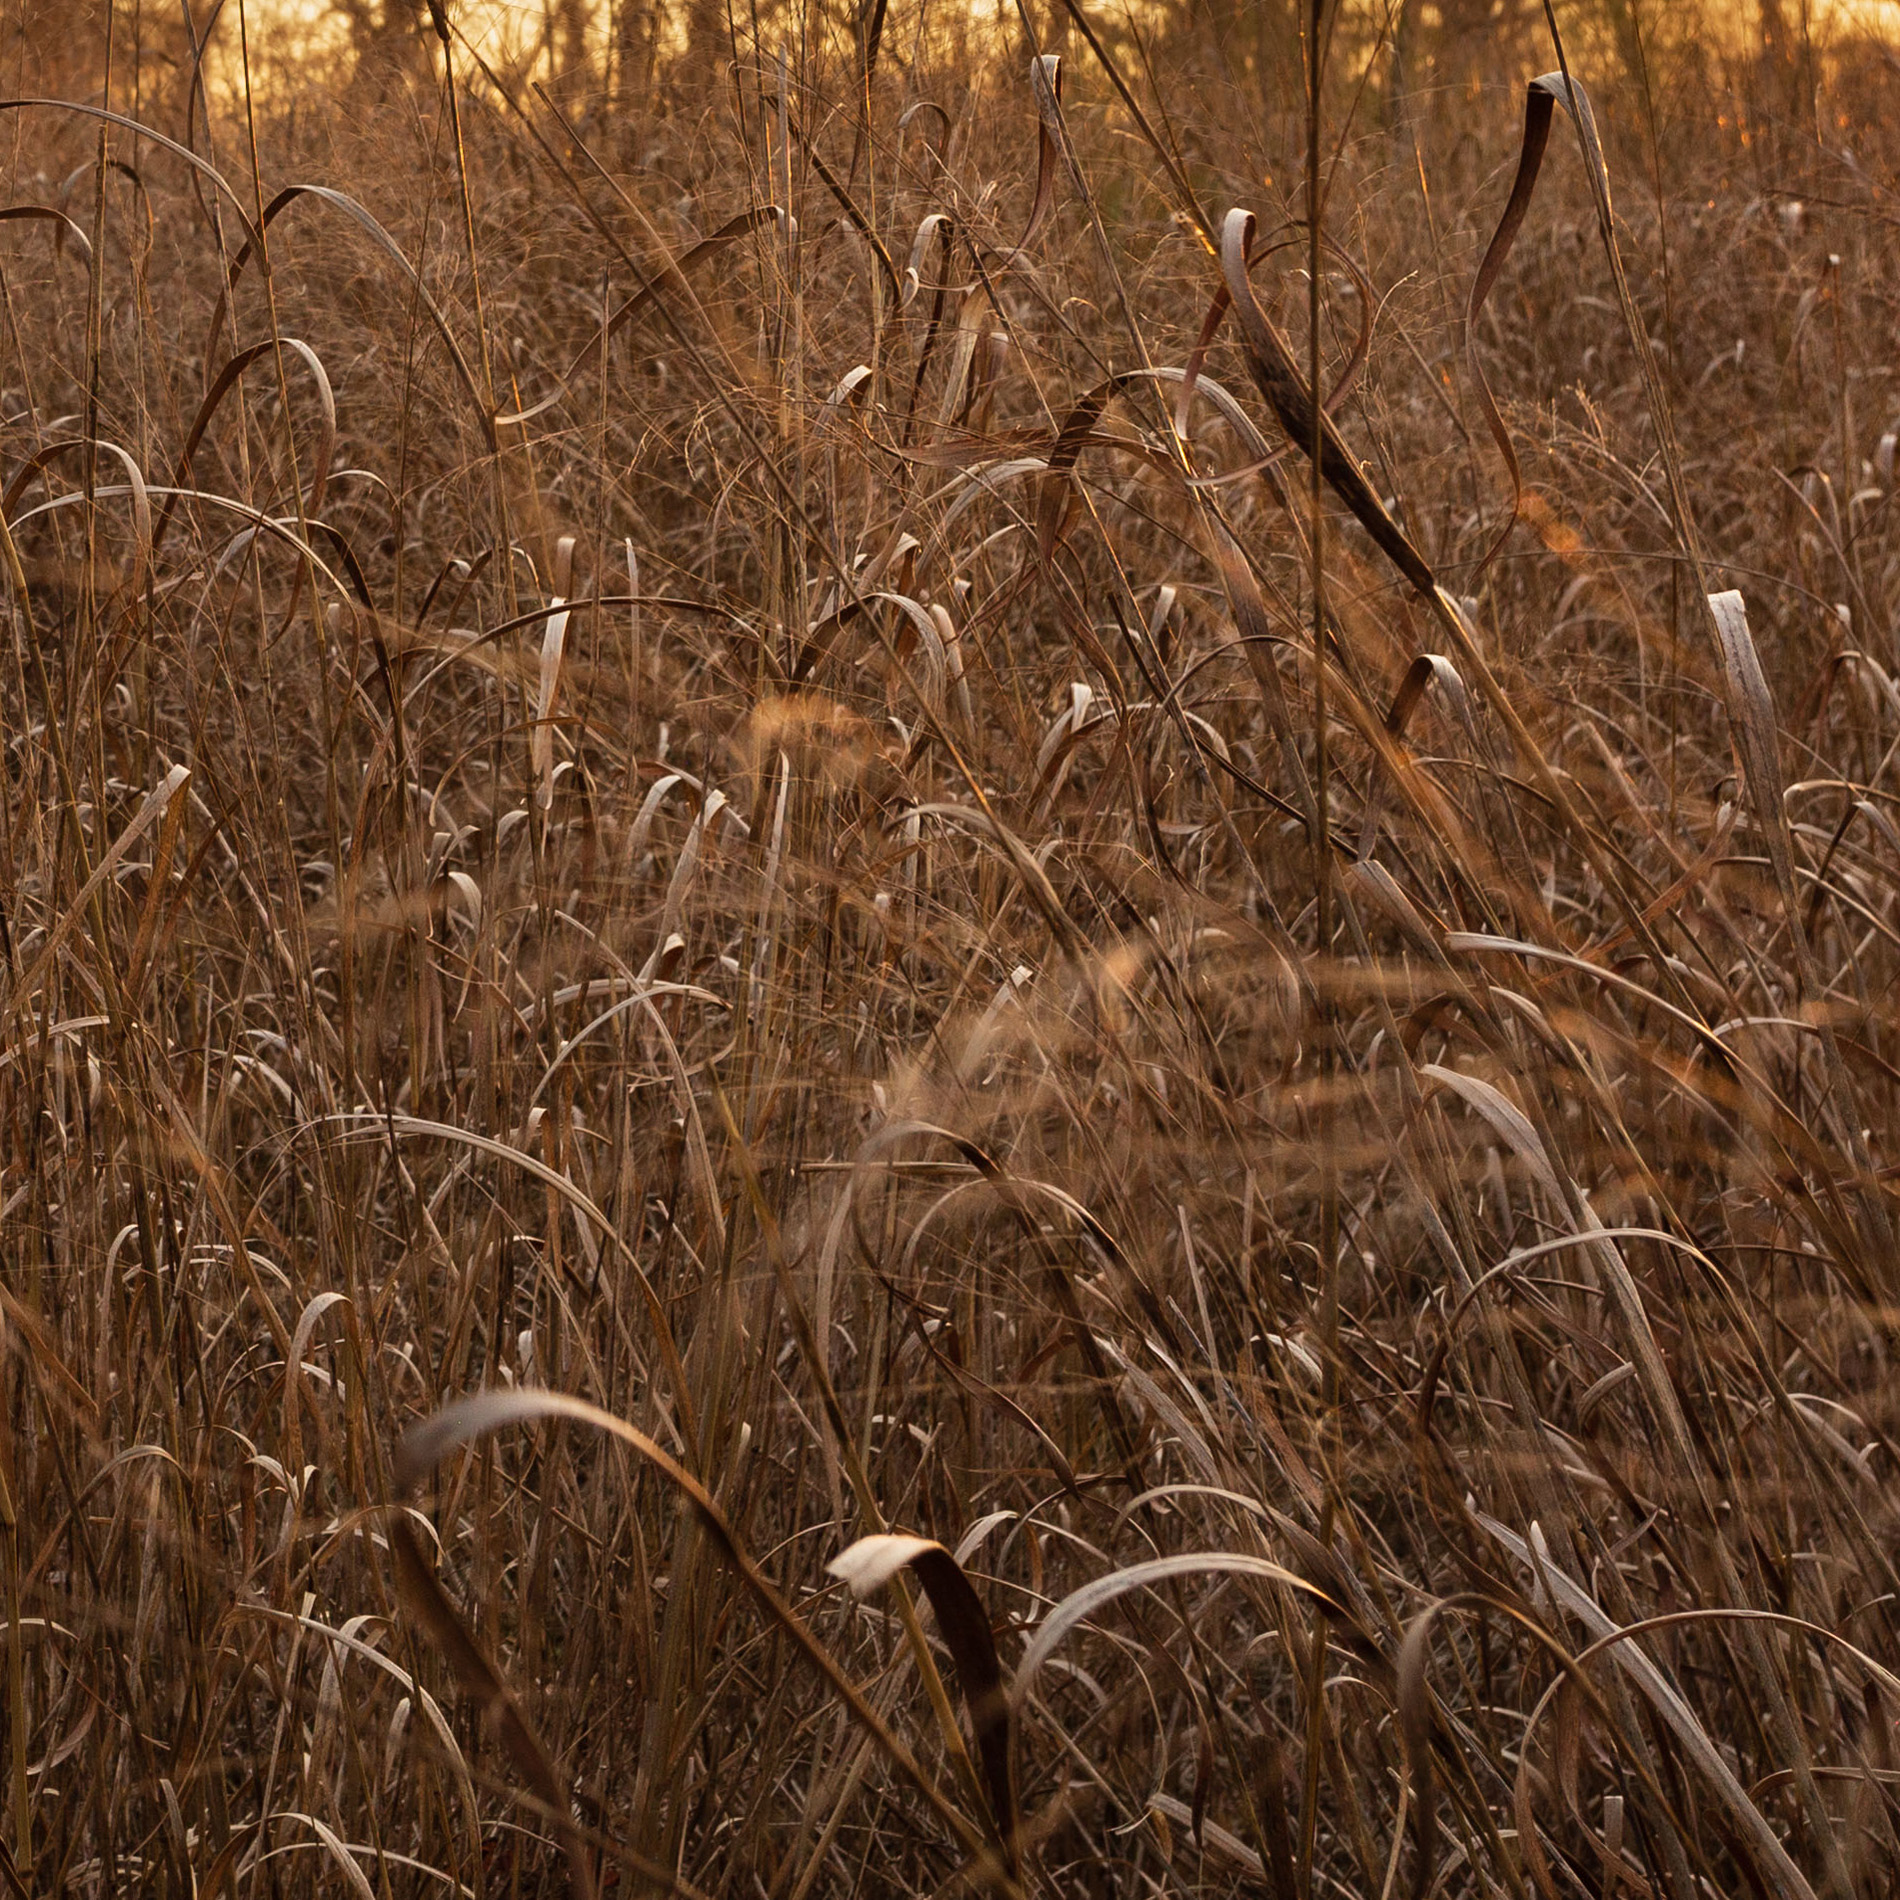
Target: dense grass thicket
{"points": [[802, 1093]]}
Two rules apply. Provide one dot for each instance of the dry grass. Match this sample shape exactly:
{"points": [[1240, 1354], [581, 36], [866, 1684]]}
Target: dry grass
{"points": [[780, 883]]}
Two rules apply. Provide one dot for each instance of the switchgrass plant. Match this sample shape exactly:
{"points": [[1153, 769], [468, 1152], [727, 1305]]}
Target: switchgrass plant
{"points": [[828, 1068]]}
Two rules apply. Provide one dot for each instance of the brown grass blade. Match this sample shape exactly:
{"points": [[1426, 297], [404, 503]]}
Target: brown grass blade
{"points": [[484, 1685], [864, 1568], [357, 214], [1539, 105], [64, 227], [672, 274], [425, 1445], [214, 397]]}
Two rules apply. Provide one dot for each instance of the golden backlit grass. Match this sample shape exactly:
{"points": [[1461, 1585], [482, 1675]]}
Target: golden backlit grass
{"points": [[800, 1094]]}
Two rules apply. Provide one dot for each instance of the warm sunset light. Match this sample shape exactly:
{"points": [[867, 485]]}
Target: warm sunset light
{"points": [[949, 948]]}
